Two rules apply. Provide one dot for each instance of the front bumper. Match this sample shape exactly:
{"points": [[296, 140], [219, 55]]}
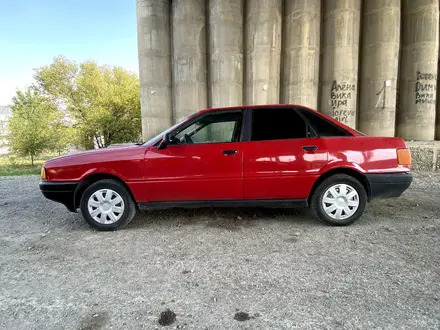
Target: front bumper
{"points": [[61, 192], [388, 185]]}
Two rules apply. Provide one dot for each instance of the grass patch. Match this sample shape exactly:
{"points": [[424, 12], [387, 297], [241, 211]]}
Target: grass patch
{"points": [[13, 166]]}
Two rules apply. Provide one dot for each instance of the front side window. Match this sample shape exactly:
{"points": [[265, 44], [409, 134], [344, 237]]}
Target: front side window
{"points": [[213, 128], [277, 124]]}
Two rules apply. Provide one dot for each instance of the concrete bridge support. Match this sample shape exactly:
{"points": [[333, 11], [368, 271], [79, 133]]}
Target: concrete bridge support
{"points": [[371, 64]]}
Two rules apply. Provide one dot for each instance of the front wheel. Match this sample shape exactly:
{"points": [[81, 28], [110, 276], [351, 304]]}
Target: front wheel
{"points": [[339, 200], [107, 205]]}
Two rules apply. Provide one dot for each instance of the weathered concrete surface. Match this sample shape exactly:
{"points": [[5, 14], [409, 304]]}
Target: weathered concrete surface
{"points": [[262, 51], [340, 50], [153, 28], [301, 44], [418, 76], [225, 48], [379, 66], [189, 57], [425, 155]]}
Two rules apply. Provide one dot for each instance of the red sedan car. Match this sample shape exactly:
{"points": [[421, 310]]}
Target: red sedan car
{"points": [[264, 156]]}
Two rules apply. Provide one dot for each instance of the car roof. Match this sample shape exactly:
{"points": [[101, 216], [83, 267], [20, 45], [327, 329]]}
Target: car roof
{"points": [[254, 106], [286, 105]]}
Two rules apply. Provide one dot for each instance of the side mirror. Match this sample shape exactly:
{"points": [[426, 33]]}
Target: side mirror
{"points": [[165, 141]]}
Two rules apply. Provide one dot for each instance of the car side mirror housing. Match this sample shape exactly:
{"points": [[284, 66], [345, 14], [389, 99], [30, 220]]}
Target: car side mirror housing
{"points": [[165, 141]]}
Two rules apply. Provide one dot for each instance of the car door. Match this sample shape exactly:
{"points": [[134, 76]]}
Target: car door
{"points": [[204, 161], [281, 157]]}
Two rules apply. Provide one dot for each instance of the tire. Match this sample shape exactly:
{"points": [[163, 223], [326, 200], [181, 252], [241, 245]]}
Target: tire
{"points": [[111, 206], [346, 211]]}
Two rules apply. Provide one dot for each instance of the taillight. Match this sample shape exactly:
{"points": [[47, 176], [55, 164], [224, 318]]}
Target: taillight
{"points": [[43, 174], [404, 156]]}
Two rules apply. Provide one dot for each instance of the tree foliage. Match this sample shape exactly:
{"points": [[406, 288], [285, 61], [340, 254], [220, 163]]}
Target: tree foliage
{"points": [[32, 124], [103, 102]]}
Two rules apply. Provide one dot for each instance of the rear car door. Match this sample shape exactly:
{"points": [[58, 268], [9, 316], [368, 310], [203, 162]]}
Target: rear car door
{"points": [[282, 156], [204, 162]]}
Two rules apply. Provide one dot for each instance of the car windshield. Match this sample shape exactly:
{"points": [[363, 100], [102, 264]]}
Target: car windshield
{"points": [[169, 129]]}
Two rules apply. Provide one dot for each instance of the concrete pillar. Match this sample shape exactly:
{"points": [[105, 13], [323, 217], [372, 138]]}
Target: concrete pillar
{"points": [[189, 57], [340, 50], [153, 27], [225, 48], [301, 44], [262, 51], [437, 121], [379, 66], [418, 75]]}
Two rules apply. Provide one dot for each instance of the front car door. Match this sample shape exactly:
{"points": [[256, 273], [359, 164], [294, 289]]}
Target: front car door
{"points": [[204, 161], [282, 158]]}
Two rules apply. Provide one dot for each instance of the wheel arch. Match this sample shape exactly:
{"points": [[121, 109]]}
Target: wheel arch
{"points": [[342, 170], [92, 178]]}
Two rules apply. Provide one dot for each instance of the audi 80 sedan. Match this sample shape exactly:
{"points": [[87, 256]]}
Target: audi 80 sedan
{"points": [[262, 156]]}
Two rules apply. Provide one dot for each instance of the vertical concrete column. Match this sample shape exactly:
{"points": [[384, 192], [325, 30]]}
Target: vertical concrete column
{"points": [[301, 44], [437, 121], [189, 57], [153, 28], [262, 51], [379, 66], [418, 74], [340, 58], [225, 48]]}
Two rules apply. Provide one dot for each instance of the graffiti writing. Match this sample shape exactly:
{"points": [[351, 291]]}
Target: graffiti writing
{"points": [[340, 94], [426, 87]]}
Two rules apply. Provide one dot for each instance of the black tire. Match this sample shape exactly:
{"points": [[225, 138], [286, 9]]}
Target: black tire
{"points": [[129, 204], [318, 195]]}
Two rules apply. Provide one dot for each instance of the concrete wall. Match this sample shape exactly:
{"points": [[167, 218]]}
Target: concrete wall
{"points": [[154, 49], [301, 44], [189, 57], [379, 66], [418, 82], [225, 49], [262, 51], [340, 59], [327, 55]]}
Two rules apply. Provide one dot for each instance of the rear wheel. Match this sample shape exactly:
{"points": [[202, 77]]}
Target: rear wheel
{"points": [[107, 205], [339, 200]]}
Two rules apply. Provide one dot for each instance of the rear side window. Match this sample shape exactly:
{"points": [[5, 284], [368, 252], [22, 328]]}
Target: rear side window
{"points": [[322, 126], [277, 124]]}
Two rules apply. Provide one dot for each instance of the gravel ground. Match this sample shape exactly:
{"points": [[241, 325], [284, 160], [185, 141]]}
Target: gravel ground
{"points": [[220, 269]]}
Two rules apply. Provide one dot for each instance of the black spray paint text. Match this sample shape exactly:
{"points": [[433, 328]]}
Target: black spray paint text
{"points": [[339, 96]]}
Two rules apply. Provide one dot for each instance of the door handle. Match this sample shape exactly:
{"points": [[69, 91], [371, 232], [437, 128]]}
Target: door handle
{"points": [[229, 152], [309, 148]]}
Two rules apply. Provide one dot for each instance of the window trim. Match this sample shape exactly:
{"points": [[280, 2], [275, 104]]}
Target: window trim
{"points": [[208, 113], [248, 137]]}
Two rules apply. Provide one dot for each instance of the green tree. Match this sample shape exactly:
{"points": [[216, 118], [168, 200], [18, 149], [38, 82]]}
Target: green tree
{"points": [[102, 102], [32, 124]]}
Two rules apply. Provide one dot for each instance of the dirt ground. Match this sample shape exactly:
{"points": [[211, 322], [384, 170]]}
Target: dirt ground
{"points": [[220, 269]]}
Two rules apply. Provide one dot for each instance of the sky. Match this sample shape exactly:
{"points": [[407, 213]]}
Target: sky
{"points": [[33, 32]]}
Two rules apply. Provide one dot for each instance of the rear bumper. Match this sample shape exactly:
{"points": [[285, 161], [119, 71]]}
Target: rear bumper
{"points": [[388, 185], [61, 192]]}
